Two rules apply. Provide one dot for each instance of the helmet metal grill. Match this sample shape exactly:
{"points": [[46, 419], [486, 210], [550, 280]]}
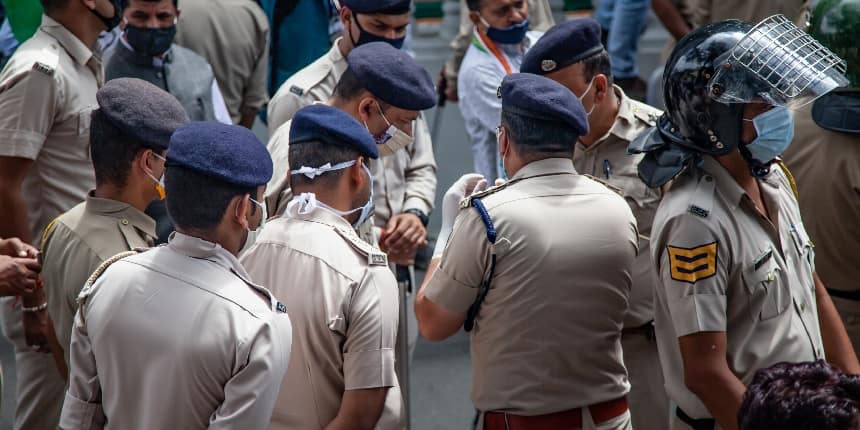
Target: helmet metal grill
{"points": [[789, 59]]}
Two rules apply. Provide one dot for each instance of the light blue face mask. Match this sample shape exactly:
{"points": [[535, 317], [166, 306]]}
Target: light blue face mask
{"points": [[775, 129], [367, 210]]}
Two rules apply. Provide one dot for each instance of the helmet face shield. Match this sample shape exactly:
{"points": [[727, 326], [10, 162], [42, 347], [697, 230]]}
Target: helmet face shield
{"points": [[776, 62]]}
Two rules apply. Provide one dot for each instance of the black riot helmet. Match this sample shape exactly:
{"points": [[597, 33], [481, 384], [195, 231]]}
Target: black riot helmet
{"points": [[714, 71]]}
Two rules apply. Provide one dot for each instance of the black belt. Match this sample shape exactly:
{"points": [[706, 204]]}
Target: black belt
{"points": [[702, 424], [847, 295]]}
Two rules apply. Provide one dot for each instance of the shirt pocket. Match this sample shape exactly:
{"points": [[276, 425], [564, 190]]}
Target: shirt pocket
{"points": [[768, 292], [85, 118], [803, 245]]}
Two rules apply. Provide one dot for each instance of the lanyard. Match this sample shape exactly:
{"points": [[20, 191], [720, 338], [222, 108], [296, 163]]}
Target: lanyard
{"points": [[487, 45]]}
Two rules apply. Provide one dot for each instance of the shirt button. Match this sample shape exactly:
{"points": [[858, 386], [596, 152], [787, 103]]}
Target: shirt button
{"points": [[803, 306], [124, 222]]}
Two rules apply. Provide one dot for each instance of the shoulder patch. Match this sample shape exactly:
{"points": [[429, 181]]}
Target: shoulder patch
{"points": [[375, 257], [693, 264], [296, 90], [615, 189], [281, 308]]}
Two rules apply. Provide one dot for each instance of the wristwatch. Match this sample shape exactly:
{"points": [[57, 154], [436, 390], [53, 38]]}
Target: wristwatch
{"points": [[420, 214]]}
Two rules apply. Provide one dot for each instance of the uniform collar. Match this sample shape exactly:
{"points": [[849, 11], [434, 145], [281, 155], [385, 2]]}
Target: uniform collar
{"points": [[74, 46], [336, 57], [198, 248], [121, 210], [544, 167], [320, 215], [624, 126], [727, 184]]}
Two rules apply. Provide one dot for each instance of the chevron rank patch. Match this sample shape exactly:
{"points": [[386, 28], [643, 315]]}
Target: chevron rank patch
{"points": [[693, 264]]}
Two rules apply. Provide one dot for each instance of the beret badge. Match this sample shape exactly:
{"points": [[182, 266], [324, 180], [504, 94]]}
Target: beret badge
{"points": [[547, 65]]}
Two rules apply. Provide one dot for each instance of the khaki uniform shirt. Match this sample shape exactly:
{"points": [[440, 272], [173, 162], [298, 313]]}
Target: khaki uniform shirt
{"points": [[77, 243], [177, 337], [344, 310], [825, 164], [723, 267], [548, 336], [233, 36], [47, 93], [608, 160]]}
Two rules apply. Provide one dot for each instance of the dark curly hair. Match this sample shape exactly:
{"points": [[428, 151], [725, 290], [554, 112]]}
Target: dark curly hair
{"points": [[802, 396]]}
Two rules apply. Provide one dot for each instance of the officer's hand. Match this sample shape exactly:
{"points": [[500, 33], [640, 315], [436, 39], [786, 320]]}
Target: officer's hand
{"points": [[404, 235], [36, 330], [18, 275], [465, 186], [447, 86], [14, 247]]}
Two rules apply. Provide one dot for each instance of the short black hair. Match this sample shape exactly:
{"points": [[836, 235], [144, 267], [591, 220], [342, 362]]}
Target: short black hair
{"points": [[473, 5], [184, 203], [348, 87], [598, 64], [535, 139], [316, 154], [801, 396], [112, 151]]}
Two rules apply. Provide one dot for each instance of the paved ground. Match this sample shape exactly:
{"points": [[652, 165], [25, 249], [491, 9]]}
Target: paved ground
{"points": [[440, 371]]}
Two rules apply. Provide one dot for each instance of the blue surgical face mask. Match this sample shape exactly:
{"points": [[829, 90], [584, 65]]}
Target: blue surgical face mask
{"points": [[510, 35], [775, 129], [365, 37]]}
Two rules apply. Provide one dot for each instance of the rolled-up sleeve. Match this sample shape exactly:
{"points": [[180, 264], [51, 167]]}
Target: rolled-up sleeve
{"points": [[373, 314], [82, 409]]}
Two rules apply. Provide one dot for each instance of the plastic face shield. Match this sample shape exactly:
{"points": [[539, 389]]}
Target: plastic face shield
{"points": [[775, 63]]}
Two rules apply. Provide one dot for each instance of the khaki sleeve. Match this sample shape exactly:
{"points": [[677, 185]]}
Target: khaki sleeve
{"points": [[250, 394], [28, 102], [454, 284], [372, 315], [82, 408], [283, 107], [421, 172], [256, 94], [693, 272]]}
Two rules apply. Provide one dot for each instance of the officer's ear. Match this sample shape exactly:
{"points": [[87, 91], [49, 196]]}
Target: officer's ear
{"points": [[242, 210], [474, 17], [366, 108], [601, 87], [345, 17], [356, 172]]}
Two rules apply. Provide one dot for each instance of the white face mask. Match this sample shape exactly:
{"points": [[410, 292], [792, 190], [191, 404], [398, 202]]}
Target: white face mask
{"points": [[392, 140], [309, 204], [587, 89], [253, 234]]}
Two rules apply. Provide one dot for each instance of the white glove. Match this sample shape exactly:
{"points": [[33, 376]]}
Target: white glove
{"points": [[467, 185]]}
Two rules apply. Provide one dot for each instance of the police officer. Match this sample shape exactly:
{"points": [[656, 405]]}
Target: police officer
{"points": [[824, 160], [47, 92], [737, 289], [130, 132], [343, 302], [364, 21], [540, 270], [384, 89], [179, 336], [571, 53]]}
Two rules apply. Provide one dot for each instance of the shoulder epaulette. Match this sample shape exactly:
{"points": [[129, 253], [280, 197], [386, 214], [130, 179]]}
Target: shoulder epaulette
{"points": [[375, 257], [47, 62], [646, 113], [702, 201], [790, 178], [467, 202]]}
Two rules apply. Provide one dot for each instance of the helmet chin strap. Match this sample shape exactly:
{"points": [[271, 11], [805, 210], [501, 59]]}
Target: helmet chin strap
{"points": [[757, 169]]}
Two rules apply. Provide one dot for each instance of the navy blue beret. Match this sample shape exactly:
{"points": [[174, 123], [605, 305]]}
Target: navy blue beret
{"points": [[230, 153], [141, 110], [562, 45], [393, 76], [386, 7], [323, 123], [542, 98]]}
